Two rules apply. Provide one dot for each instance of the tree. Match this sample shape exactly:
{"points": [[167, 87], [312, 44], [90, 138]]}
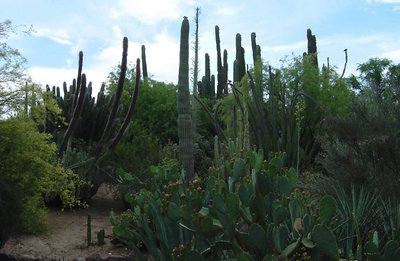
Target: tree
{"points": [[364, 151], [12, 67]]}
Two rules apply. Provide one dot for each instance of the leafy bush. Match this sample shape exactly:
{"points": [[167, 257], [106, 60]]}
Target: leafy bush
{"points": [[10, 210], [364, 151], [30, 167]]}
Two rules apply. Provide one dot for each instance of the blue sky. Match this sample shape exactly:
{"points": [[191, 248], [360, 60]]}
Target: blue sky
{"points": [[367, 28]]}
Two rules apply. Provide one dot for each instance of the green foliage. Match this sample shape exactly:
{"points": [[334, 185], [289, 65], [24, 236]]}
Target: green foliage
{"points": [[140, 147], [364, 149], [12, 69], [10, 209], [29, 164]]}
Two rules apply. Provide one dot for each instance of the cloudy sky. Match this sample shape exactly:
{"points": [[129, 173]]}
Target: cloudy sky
{"points": [[367, 28]]}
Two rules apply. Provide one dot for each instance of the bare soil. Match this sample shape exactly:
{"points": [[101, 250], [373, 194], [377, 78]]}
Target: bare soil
{"points": [[67, 232]]}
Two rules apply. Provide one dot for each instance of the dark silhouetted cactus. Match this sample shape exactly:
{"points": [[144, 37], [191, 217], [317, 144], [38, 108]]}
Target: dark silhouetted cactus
{"points": [[312, 47], [93, 122], [185, 130], [239, 66], [76, 114], [255, 48], [144, 63], [221, 77], [225, 72]]}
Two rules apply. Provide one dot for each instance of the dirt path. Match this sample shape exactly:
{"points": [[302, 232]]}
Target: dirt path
{"points": [[66, 236]]}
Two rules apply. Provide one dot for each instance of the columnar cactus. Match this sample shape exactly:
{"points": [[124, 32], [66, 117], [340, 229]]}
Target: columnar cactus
{"points": [[185, 130], [225, 72], [207, 82], [94, 122], [312, 46], [239, 67], [144, 62], [77, 110], [220, 75], [255, 48]]}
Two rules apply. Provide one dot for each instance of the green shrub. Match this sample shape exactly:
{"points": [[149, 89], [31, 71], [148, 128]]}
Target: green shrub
{"points": [[10, 210], [29, 164]]}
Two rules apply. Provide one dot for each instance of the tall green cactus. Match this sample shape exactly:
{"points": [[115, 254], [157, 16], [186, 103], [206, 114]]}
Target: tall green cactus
{"points": [[207, 76], [312, 47], [221, 81], [239, 64], [93, 122], [144, 63], [255, 48], [75, 116], [225, 72], [131, 109], [117, 97], [185, 129]]}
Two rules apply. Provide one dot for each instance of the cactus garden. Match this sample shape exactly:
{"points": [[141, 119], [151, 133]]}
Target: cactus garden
{"points": [[236, 161]]}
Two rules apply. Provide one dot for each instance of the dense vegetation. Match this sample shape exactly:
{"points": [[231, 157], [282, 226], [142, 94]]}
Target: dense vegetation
{"points": [[295, 162]]}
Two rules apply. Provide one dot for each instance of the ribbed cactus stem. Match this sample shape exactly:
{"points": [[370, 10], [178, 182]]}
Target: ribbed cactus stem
{"points": [[75, 116], [255, 48], [236, 71], [131, 109], [117, 97], [79, 79], [144, 62], [241, 64], [212, 87], [185, 131], [207, 82], [220, 73], [225, 72], [312, 47]]}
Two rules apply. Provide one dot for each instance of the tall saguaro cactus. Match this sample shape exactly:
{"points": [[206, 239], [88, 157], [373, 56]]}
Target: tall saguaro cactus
{"points": [[185, 128]]}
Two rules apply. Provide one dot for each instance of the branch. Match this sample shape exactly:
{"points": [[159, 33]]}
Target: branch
{"points": [[345, 64]]}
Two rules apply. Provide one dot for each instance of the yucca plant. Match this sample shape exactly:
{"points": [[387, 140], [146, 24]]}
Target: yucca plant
{"points": [[358, 213]]}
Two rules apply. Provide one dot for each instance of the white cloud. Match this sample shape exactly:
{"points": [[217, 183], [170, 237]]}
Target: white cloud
{"points": [[300, 45], [57, 76], [162, 58], [150, 11], [392, 55], [52, 76], [59, 36]]}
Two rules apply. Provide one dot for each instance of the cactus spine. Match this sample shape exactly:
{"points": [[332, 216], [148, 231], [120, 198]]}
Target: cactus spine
{"points": [[185, 131]]}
